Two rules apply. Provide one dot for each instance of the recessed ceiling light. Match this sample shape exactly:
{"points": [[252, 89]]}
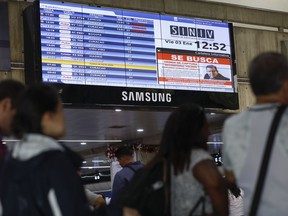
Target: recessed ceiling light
{"points": [[83, 143], [84, 162], [4, 143], [118, 110], [140, 130], [212, 113]]}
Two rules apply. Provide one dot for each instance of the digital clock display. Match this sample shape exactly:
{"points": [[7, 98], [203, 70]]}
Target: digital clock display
{"points": [[87, 45], [211, 46]]}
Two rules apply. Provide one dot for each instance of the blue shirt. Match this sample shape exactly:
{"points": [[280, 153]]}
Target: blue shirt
{"points": [[123, 177]]}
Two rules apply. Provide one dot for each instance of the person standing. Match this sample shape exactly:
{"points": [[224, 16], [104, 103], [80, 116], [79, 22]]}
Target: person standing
{"points": [[245, 135], [9, 92], [39, 176], [193, 170], [126, 160]]}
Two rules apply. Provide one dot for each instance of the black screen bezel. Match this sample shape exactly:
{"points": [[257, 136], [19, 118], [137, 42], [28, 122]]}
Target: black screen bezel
{"points": [[87, 95]]}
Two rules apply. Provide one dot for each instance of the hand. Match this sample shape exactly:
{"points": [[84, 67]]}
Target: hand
{"points": [[99, 202], [130, 212]]}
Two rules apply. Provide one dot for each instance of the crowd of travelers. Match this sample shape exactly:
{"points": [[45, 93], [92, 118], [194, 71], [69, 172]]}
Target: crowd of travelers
{"points": [[40, 176]]}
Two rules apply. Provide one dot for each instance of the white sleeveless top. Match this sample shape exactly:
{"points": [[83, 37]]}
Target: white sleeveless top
{"points": [[186, 190]]}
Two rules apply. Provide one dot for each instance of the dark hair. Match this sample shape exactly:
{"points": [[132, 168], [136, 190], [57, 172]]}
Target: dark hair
{"points": [[182, 133], [123, 151], [267, 72], [211, 66], [10, 89], [32, 104]]}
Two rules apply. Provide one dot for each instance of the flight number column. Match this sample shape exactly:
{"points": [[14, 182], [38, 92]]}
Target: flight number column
{"points": [[62, 46]]}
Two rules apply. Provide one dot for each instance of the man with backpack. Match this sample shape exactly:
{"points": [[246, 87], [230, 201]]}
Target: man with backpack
{"points": [[126, 160]]}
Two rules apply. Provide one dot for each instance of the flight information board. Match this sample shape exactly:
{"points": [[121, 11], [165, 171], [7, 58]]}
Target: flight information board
{"points": [[88, 45]]}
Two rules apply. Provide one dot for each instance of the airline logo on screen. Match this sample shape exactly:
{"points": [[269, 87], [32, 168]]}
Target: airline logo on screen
{"points": [[146, 96], [191, 32]]}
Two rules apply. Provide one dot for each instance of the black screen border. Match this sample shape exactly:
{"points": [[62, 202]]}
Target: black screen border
{"points": [[106, 96]]}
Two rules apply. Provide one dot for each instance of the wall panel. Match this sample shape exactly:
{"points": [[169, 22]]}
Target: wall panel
{"points": [[250, 42], [16, 30], [246, 97]]}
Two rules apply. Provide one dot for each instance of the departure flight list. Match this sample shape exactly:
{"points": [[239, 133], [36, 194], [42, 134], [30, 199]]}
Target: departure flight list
{"points": [[88, 45]]}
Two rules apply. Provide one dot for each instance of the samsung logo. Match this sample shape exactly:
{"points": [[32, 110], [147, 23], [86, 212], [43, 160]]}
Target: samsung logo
{"points": [[146, 96], [191, 32]]}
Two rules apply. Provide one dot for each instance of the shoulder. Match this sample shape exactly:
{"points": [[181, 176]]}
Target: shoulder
{"points": [[207, 173], [199, 155], [121, 174], [54, 156], [236, 125], [236, 117], [235, 121], [137, 165], [50, 157], [56, 162]]}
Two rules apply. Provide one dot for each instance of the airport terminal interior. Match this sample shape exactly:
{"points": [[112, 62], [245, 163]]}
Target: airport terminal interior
{"points": [[122, 67]]}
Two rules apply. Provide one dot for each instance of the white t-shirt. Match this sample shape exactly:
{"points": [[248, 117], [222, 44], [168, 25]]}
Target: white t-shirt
{"points": [[244, 137]]}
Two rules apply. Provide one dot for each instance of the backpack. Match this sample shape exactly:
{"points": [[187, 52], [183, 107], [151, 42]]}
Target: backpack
{"points": [[148, 191], [16, 186]]}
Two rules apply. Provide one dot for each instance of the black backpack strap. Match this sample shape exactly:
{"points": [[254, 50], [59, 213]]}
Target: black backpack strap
{"points": [[166, 181], [265, 160], [195, 207], [131, 167]]}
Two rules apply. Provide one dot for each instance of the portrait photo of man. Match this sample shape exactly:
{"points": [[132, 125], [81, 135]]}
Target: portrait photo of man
{"points": [[213, 73]]}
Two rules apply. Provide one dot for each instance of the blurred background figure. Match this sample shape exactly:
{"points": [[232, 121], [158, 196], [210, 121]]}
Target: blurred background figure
{"points": [[125, 157], [9, 92]]}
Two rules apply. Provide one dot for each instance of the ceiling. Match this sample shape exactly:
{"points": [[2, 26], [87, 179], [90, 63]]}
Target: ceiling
{"points": [[99, 128]]}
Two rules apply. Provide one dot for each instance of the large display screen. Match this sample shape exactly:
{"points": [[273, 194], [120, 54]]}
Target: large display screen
{"points": [[5, 61], [98, 46]]}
